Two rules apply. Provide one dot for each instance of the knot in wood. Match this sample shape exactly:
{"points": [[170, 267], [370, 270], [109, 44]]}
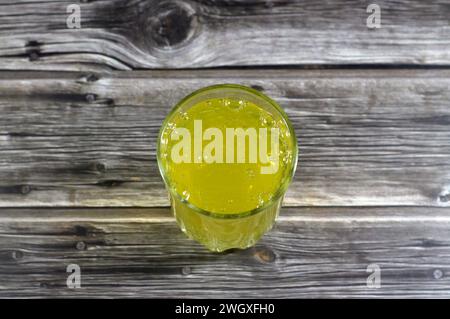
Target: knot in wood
{"points": [[265, 255], [171, 24]]}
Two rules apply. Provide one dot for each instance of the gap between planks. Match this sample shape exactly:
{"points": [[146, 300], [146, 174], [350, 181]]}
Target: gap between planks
{"points": [[394, 214]]}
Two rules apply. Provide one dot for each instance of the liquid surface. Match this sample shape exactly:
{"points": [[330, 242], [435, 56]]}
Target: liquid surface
{"points": [[226, 187]]}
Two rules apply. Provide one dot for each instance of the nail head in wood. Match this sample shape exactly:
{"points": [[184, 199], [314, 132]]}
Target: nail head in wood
{"points": [[81, 245], [186, 270], [25, 189], [437, 274], [90, 98], [17, 254]]}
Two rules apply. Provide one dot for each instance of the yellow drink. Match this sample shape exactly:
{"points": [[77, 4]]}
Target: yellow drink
{"points": [[227, 154]]}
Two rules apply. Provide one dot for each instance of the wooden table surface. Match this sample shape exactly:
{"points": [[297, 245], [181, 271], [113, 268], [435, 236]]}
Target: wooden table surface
{"points": [[80, 110]]}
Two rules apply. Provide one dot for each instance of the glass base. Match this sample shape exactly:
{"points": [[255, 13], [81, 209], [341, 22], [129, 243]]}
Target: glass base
{"points": [[221, 233]]}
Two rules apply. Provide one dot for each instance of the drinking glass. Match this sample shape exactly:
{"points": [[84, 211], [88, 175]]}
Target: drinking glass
{"points": [[218, 228]]}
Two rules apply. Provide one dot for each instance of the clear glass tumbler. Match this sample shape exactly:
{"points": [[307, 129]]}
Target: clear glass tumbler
{"points": [[227, 154]]}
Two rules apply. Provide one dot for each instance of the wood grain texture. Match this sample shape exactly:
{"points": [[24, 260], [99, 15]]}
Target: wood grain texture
{"points": [[312, 252], [122, 34], [369, 137]]}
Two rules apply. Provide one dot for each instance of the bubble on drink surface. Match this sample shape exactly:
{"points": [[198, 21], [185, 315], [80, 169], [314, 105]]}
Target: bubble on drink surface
{"points": [[167, 133], [208, 103], [184, 116], [165, 137], [287, 133], [260, 200], [250, 172], [236, 105], [185, 195], [266, 121], [242, 103], [287, 157]]}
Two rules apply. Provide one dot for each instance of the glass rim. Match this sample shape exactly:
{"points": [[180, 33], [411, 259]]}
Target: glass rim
{"points": [[280, 190]]}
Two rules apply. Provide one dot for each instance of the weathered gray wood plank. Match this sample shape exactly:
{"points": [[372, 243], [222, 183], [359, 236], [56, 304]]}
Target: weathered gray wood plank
{"points": [[312, 252], [366, 137], [122, 34]]}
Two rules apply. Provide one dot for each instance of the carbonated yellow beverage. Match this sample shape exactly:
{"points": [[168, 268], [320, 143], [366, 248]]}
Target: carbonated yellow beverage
{"points": [[227, 154]]}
